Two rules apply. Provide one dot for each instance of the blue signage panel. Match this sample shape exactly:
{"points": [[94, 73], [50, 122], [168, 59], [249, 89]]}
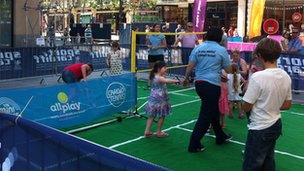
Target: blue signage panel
{"points": [[68, 105], [293, 64]]}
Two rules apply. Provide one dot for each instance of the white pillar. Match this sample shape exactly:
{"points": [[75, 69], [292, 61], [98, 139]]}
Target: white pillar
{"points": [[241, 17]]}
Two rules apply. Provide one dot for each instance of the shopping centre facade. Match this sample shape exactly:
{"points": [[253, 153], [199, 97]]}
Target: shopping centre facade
{"points": [[21, 20]]}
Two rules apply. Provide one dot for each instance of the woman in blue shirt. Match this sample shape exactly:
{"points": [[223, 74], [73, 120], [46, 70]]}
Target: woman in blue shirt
{"points": [[156, 44], [209, 58]]}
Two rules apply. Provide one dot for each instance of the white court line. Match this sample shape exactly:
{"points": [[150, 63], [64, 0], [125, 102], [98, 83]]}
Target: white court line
{"points": [[170, 92], [141, 137], [294, 113], [140, 98], [241, 143], [23, 109], [189, 130], [142, 105], [185, 129], [192, 101], [98, 124], [186, 95]]}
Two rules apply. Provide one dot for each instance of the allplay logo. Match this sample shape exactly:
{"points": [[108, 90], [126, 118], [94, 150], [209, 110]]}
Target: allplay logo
{"points": [[63, 105]]}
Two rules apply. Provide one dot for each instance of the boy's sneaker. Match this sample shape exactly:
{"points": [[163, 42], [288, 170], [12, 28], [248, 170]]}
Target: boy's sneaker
{"points": [[222, 141]]}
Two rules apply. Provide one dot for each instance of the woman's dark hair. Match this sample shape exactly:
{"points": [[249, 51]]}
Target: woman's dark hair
{"points": [[214, 34], [153, 27], [269, 50], [156, 67]]}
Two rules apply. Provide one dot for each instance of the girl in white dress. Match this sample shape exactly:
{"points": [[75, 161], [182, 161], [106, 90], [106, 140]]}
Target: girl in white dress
{"points": [[234, 90], [115, 59]]}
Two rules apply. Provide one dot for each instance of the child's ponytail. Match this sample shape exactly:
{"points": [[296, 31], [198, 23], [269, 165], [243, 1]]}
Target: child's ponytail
{"points": [[235, 77], [152, 73]]}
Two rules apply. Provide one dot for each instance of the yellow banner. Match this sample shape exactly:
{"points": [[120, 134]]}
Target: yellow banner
{"points": [[256, 18]]}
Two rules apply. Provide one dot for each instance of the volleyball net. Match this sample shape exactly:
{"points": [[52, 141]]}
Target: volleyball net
{"points": [[175, 56]]}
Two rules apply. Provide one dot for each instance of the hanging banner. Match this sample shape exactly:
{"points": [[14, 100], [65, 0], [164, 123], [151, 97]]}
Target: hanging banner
{"points": [[256, 18], [199, 12]]}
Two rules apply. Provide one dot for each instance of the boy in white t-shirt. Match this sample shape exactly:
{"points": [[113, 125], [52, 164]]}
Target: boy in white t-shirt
{"points": [[269, 91]]}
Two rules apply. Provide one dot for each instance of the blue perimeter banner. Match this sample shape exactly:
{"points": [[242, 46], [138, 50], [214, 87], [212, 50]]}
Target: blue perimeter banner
{"points": [[293, 64], [69, 105]]}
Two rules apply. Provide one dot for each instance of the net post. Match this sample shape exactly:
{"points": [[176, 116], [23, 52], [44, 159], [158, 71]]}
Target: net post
{"points": [[133, 51]]}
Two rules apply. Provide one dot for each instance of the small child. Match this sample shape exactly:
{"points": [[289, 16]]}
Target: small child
{"points": [[234, 89], [255, 66], [158, 103], [115, 59], [223, 101]]}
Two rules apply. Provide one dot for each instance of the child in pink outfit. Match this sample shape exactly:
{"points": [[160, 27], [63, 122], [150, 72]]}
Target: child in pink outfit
{"points": [[223, 101]]}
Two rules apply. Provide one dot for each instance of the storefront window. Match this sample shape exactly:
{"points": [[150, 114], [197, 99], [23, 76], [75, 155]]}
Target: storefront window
{"points": [[5, 22], [221, 14]]}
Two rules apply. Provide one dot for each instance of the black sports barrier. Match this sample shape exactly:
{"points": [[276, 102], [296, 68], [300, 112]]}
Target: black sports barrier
{"points": [[39, 61]]}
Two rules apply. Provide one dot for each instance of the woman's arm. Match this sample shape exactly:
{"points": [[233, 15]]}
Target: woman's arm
{"points": [[84, 71]]}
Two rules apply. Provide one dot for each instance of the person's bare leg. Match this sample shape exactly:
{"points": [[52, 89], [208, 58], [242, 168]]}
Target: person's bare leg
{"points": [[231, 109], [241, 113], [148, 126], [222, 120], [160, 124]]}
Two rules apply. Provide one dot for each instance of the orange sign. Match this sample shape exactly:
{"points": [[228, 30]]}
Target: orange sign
{"points": [[271, 26]]}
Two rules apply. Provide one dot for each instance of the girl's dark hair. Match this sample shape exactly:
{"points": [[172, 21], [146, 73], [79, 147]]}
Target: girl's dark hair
{"points": [[115, 44], [157, 66], [214, 34], [269, 50]]}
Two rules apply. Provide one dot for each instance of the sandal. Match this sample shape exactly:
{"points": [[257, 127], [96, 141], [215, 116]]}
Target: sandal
{"points": [[148, 134], [162, 135]]}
